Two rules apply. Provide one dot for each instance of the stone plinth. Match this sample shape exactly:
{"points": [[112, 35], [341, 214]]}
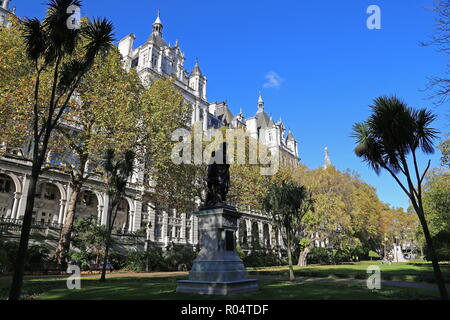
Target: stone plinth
{"points": [[218, 269]]}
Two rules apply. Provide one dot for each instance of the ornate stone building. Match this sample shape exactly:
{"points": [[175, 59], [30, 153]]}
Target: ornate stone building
{"points": [[153, 60], [4, 11]]}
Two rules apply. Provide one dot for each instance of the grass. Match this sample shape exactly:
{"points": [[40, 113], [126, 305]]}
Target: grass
{"points": [[407, 271], [157, 287], [164, 289]]}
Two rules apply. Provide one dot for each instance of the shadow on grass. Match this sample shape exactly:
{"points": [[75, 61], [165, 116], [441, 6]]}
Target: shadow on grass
{"points": [[417, 272], [164, 289]]}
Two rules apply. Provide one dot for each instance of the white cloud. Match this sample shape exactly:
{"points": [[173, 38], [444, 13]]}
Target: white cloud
{"points": [[273, 80]]}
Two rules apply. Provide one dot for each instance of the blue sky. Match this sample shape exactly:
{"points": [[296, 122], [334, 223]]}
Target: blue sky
{"points": [[330, 65]]}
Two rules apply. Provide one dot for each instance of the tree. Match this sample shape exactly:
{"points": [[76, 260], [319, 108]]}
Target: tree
{"points": [[116, 174], [89, 238], [287, 203], [50, 45], [105, 117], [441, 39], [16, 90], [384, 141], [436, 200], [444, 146]]}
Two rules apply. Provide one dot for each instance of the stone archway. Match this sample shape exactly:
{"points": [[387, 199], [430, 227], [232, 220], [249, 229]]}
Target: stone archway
{"points": [[255, 236], [124, 218], [87, 204], [49, 203], [8, 189], [243, 238], [266, 236]]}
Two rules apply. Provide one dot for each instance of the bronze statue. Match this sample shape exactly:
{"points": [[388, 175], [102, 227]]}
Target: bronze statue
{"points": [[218, 179]]}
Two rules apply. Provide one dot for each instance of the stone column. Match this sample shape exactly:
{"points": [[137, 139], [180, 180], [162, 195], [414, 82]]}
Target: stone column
{"points": [[194, 230], [105, 209], [261, 233], [152, 219], [137, 214], [17, 197], [160, 59], [131, 221], [249, 233], [165, 225], [23, 199], [205, 120], [183, 227], [270, 236], [99, 214], [61, 215]]}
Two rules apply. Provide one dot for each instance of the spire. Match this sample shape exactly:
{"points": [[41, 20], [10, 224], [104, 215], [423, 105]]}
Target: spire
{"points": [[157, 25], [260, 103], [196, 70], [327, 159]]}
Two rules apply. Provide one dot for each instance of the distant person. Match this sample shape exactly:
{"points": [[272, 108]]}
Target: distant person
{"points": [[109, 267]]}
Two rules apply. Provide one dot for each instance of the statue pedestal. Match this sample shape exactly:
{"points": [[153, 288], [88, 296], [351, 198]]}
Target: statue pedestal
{"points": [[218, 270]]}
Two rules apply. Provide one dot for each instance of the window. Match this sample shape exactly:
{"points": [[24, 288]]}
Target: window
{"points": [[135, 62], [158, 231], [5, 185]]}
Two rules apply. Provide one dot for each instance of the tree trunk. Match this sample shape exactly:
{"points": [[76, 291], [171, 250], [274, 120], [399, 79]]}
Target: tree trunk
{"points": [[113, 205], [63, 245], [19, 267], [105, 259], [291, 268], [302, 257], [437, 270]]}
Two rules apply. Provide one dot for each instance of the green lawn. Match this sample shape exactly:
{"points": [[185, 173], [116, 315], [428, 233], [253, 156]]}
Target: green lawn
{"points": [[408, 271], [155, 287], [164, 289]]}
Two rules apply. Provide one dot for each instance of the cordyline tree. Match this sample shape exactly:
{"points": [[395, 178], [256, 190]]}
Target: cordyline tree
{"points": [[105, 116], [50, 46], [391, 133], [287, 202], [117, 171]]}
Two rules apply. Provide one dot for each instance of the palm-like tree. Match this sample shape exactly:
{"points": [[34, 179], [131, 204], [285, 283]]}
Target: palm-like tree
{"points": [[385, 140], [116, 174], [287, 203], [51, 45]]}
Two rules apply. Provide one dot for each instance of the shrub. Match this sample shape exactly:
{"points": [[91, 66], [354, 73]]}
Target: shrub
{"points": [[373, 255], [441, 243], [137, 260], [263, 259], [36, 254], [176, 255], [319, 255]]}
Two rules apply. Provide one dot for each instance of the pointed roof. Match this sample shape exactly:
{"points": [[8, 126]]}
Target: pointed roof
{"points": [[158, 18], [260, 99], [327, 159], [157, 39], [290, 136], [196, 71]]}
